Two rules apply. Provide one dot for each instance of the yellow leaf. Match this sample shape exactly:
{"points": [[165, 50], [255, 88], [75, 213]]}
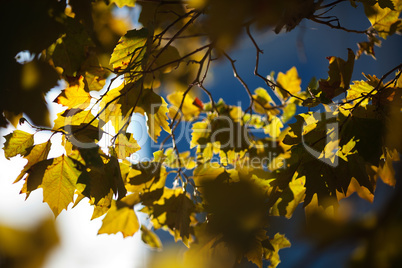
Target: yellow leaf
{"points": [[16, 143], [130, 50], [156, 109], [357, 90], [75, 96], [150, 238], [274, 127], [278, 242], [121, 218], [189, 110], [124, 146], [289, 81], [262, 100], [122, 3], [59, 183], [38, 153], [384, 20], [74, 117]]}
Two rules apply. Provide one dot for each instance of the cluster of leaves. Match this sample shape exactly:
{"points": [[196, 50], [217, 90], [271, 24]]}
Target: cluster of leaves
{"points": [[233, 182]]}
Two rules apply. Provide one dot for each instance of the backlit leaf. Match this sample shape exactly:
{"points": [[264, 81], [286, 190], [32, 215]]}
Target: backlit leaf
{"points": [[278, 242], [59, 183], [17, 142], [122, 3], [74, 96], [124, 146], [121, 217], [289, 81], [384, 19], [150, 238], [156, 109], [130, 50], [189, 110], [38, 153]]}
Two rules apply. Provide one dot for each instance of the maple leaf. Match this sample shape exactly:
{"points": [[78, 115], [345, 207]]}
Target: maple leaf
{"points": [[156, 109], [75, 96], [174, 210], [130, 50], [150, 238], [290, 82], [188, 109], [263, 101], [58, 179], [38, 153], [385, 19], [125, 145], [339, 76], [121, 217], [17, 142], [278, 242]]}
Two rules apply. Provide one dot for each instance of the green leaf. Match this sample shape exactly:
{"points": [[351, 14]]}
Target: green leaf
{"points": [[17, 142], [130, 50]]}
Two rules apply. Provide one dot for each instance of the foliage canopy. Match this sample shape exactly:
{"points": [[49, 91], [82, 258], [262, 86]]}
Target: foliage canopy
{"points": [[218, 191]]}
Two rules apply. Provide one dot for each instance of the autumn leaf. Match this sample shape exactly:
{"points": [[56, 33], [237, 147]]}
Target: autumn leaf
{"points": [[384, 19], [150, 238], [290, 82], [156, 109], [58, 178], [75, 96], [38, 153], [339, 76], [174, 211], [262, 101], [188, 109], [278, 242], [130, 50], [121, 217], [122, 3], [125, 145], [17, 142]]}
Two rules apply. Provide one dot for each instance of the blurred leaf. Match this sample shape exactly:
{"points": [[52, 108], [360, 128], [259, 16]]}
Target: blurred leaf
{"points": [[122, 3], [278, 242], [28, 248], [150, 238]]}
